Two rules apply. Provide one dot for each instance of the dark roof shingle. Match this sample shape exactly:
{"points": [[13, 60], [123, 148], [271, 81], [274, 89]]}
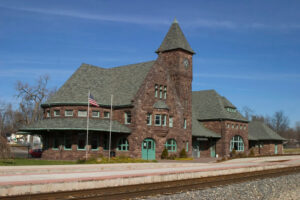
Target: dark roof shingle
{"points": [[259, 131]]}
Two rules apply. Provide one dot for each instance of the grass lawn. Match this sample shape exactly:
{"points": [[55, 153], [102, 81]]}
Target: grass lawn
{"points": [[22, 161], [292, 151]]}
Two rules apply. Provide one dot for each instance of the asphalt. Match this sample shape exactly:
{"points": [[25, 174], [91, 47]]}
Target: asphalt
{"points": [[19, 180]]}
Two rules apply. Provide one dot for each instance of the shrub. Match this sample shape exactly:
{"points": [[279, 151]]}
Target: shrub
{"points": [[251, 154], [164, 154], [182, 154], [172, 157], [233, 153]]}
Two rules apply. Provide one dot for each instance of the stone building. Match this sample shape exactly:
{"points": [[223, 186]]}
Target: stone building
{"points": [[153, 108]]}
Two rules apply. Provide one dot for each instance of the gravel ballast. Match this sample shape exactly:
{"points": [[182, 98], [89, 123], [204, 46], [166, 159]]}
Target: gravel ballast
{"points": [[284, 188]]}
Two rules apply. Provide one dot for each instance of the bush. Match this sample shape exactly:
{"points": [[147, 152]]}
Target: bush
{"points": [[164, 154], [233, 153], [182, 154], [251, 154], [172, 157]]}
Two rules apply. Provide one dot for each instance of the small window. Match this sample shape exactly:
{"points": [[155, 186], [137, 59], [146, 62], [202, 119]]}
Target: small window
{"points": [[123, 145], [68, 113], [171, 122], [157, 120], [160, 91], [171, 145], [241, 127], [48, 113], [165, 92], [228, 125], [106, 114], [95, 113], [149, 119], [236, 126], [82, 113], [244, 127], [232, 125], [184, 124], [68, 142], [156, 91], [56, 143], [164, 120], [127, 117], [187, 147], [56, 113], [81, 141]]}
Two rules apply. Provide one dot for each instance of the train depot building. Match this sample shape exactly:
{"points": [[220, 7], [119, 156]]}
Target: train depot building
{"points": [[153, 108]]}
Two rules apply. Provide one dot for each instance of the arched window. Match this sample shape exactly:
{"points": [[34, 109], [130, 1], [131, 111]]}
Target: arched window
{"points": [[237, 143], [123, 144], [171, 145]]}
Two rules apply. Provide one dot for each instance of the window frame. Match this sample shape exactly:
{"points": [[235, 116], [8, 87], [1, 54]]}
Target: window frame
{"points": [[172, 144], [184, 123], [149, 119], [165, 92], [82, 111], [48, 114], [55, 113], [106, 113], [239, 141], [160, 91], [96, 111], [69, 115], [156, 91], [157, 115], [127, 117], [123, 143], [171, 122]]}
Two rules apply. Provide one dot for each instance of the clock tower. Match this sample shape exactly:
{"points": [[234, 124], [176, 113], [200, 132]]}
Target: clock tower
{"points": [[176, 55]]}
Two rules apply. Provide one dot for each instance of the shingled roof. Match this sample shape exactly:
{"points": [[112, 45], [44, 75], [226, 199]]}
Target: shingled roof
{"points": [[175, 39], [209, 105], [75, 124], [260, 131], [123, 82]]}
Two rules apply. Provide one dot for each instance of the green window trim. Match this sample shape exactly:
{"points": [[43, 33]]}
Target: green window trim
{"points": [[187, 147], [123, 144], [171, 145], [237, 143], [127, 116]]}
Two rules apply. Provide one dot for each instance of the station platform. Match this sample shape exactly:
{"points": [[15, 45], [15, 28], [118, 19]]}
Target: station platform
{"points": [[20, 180]]}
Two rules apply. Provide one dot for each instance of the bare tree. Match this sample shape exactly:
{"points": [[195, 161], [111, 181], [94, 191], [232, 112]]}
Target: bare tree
{"points": [[280, 122], [31, 98], [247, 112]]}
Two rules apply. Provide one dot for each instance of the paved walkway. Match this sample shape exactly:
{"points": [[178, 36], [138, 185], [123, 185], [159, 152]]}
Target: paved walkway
{"points": [[36, 179]]}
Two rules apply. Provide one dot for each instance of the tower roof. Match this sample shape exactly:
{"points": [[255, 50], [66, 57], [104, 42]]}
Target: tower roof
{"points": [[175, 39]]}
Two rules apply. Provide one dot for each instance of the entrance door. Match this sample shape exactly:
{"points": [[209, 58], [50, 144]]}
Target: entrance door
{"points": [[213, 150], [148, 149], [196, 149], [276, 149]]}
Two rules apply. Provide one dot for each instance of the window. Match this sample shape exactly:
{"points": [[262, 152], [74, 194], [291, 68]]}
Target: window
{"points": [[241, 127], [48, 113], [82, 113], [106, 114], [157, 120], [228, 125], [156, 91], [56, 143], [81, 141], [171, 145], [232, 125], [184, 124], [164, 120], [160, 91], [165, 92], [56, 113], [232, 110], [68, 113], [123, 144], [105, 142], [149, 119], [127, 117], [95, 113], [171, 122], [68, 142], [236, 126], [237, 143], [244, 127], [187, 147], [94, 141]]}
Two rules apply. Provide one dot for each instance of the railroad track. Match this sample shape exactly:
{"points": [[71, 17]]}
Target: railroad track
{"points": [[170, 187]]}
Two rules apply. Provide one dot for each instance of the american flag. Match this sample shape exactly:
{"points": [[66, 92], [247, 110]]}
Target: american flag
{"points": [[92, 101]]}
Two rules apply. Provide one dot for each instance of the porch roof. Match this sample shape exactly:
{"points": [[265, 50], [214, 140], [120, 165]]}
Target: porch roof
{"points": [[75, 124], [199, 130]]}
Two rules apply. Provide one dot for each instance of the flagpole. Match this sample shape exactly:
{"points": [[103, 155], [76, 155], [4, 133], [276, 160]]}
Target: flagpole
{"points": [[87, 128], [110, 124]]}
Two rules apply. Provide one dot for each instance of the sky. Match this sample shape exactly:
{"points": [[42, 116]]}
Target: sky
{"points": [[248, 51]]}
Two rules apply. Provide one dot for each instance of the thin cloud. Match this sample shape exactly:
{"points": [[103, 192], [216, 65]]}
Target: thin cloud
{"points": [[256, 77], [82, 15]]}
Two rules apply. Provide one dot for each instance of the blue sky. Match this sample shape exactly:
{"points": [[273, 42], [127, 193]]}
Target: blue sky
{"points": [[248, 51]]}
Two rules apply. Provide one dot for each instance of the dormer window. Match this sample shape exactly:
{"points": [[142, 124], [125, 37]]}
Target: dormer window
{"points": [[232, 110], [127, 117]]}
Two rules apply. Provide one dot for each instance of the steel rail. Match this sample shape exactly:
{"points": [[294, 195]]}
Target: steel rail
{"points": [[150, 189]]}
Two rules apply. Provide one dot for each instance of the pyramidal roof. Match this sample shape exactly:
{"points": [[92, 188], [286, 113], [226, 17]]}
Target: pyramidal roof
{"points": [[175, 39]]}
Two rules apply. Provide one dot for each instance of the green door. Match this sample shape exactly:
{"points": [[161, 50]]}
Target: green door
{"points": [[276, 149], [148, 149], [213, 150], [196, 149]]}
